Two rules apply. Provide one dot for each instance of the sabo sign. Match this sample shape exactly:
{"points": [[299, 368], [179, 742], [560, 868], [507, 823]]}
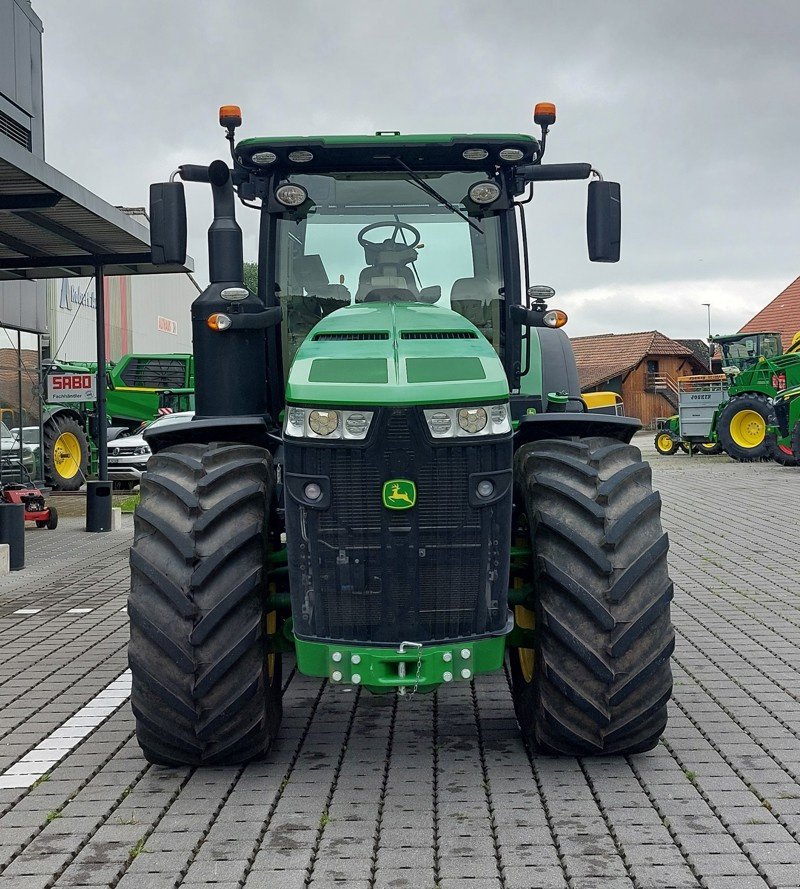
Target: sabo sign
{"points": [[71, 387]]}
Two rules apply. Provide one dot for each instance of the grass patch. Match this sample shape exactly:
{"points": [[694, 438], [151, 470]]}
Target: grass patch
{"points": [[51, 816], [129, 503], [137, 849]]}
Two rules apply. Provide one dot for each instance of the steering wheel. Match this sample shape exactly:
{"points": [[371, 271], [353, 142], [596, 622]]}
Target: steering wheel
{"points": [[397, 227]]}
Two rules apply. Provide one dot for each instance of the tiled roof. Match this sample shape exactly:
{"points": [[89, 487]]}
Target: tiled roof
{"points": [[781, 315], [699, 347], [607, 355]]}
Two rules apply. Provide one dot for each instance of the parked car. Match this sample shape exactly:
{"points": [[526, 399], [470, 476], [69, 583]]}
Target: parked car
{"points": [[128, 454], [10, 452]]}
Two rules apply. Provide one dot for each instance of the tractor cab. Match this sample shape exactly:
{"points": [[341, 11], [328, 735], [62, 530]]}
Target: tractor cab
{"points": [[743, 351]]}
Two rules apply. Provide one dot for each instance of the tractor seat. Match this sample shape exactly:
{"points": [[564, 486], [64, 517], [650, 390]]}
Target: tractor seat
{"points": [[388, 269], [473, 298]]}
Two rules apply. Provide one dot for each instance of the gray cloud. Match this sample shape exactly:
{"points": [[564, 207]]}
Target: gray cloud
{"points": [[693, 106]]}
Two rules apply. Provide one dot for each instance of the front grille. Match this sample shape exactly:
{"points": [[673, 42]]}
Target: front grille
{"points": [[124, 451], [362, 573], [368, 335], [438, 335]]}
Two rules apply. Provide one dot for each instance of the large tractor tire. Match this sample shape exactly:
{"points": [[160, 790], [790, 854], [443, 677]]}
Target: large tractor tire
{"points": [[598, 679], [665, 444], [796, 443], [66, 453], [780, 450], [205, 689], [742, 427]]}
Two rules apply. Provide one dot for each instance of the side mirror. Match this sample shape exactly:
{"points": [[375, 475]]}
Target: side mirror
{"points": [[603, 221], [168, 223]]}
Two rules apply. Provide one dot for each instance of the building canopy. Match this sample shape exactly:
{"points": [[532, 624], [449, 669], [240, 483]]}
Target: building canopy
{"points": [[52, 227]]}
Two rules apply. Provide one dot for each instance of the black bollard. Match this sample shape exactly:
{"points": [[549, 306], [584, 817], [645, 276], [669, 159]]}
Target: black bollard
{"points": [[98, 506], [12, 532]]}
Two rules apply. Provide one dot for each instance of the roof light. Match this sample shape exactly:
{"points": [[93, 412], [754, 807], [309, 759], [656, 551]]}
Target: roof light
{"points": [[300, 157], [218, 321], [264, 157], [556, 318], [291, 195], [484, 192], [511, 154], [475, 154], [544, 114], [230, 116]]}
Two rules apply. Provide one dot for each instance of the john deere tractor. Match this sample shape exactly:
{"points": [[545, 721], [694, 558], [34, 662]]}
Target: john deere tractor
{"points": [[746, 424], [391, 471]]}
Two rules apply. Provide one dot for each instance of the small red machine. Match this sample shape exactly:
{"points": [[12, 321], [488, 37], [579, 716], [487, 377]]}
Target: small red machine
{"points": [[33, 500]]}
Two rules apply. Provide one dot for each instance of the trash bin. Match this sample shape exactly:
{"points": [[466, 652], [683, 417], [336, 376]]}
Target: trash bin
{"points": [[98, 506], [12, 532]]}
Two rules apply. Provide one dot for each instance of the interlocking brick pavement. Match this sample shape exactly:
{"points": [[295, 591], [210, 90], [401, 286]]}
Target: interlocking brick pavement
{"points": [[428, 791]]}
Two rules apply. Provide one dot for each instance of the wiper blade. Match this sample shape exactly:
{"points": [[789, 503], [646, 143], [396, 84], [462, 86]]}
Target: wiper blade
{"points": [[421, 183]]}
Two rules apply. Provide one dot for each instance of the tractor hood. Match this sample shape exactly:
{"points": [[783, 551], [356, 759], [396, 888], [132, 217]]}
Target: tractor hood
{"points": [[395, 354]]}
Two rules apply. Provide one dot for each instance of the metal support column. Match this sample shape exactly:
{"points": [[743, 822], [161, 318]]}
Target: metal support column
{"points": [[102, 420]]}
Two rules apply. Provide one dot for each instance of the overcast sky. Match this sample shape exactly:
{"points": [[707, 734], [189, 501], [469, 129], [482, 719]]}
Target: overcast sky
{"points": [[693, 105]]}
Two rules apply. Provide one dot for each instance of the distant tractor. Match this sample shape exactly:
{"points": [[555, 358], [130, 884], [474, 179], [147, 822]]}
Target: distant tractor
{"points": [[135, 384], [758, 371], [391, 471]]}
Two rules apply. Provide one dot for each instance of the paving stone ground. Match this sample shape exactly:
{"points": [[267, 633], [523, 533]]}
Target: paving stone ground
{"points": [[428, 791]]}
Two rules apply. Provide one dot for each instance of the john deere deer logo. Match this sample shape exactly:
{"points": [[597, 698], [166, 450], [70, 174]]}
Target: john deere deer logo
{"points": [[399, 493]]}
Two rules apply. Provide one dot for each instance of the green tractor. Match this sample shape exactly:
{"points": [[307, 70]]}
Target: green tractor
{"points": [[758, 370], [391, 471], [136, 390], [787, 428]]}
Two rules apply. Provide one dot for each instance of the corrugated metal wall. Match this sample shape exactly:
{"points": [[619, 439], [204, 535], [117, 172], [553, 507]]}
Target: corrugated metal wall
{"points": [[144, 313]]}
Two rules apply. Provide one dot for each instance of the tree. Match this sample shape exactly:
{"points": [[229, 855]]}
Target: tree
{"points": [[251, 276]]}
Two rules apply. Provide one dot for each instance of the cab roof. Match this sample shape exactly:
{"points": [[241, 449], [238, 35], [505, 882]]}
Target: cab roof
{"points": [[429, 151]]}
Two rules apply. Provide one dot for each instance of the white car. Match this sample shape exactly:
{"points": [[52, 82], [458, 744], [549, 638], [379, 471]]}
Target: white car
{"points": [[10, 450], [128, 455]]}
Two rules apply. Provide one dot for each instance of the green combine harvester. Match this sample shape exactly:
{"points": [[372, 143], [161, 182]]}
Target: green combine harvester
{"points": [[138, 385], [736, 411], [758, 370], [391, 471]]}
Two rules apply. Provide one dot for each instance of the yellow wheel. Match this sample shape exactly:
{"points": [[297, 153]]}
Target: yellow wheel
{"points": [[748, 429], [66, 452], [527, 656], [67, 455], [665, 444]]}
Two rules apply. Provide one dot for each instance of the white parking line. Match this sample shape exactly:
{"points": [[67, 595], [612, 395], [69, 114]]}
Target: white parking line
{"points": [[65, 738], [79, 610], [27, 611]]}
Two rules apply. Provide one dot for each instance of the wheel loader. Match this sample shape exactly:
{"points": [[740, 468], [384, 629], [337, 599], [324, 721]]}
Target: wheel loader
{"points": [[391, 473]]}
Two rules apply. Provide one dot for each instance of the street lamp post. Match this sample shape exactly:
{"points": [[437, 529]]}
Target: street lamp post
{"points": [[710, 365]]}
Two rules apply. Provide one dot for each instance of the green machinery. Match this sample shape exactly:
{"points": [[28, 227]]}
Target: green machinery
{"points": [[743, 422], [787, 411], [137, 386], [391, 471], [758, 371]]}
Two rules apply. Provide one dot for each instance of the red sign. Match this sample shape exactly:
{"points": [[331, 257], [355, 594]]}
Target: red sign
{"points": [[71, 387]]}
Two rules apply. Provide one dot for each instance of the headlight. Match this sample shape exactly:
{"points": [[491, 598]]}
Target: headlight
{"points": [[144, 449], [264, 157], [512, 154], [484, 192], [291, 195], [472, 419], [468, 421], [323, 422], [303, 422]]}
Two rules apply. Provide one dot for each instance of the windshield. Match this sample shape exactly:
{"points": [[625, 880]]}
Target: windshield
{"points": [[380, 237], [745, 352]]}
